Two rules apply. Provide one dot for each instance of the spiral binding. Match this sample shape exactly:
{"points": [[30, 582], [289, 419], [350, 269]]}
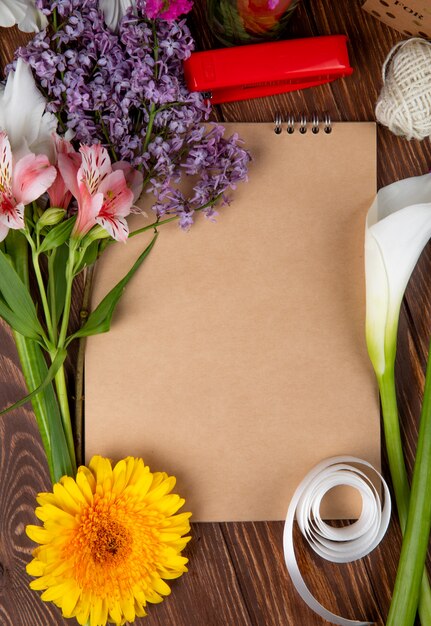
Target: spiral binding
{"points": [[277, 122], [303, 124]]}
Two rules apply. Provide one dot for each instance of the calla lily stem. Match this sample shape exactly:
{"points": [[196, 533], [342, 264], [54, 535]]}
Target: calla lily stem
{"points": [[400, 480], [410, 580], [393, 443]]}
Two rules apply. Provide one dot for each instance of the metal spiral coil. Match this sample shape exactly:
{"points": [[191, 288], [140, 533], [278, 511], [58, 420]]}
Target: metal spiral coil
{"points": [[277, 122], [316, 123]]}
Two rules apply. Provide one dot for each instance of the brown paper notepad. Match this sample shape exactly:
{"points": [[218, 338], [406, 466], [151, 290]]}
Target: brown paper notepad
{"points": [[237, 358]]}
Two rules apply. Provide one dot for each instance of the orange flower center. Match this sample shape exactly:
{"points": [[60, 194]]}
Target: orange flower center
{"points": [[114, 546], [109, 541]]}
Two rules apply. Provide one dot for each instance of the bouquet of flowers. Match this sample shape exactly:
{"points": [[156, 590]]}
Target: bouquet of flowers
{"points": [[95, 112], [237, 22]]}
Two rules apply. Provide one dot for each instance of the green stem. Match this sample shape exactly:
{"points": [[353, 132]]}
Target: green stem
{"points": [[68, 296], [399, 473], [151, 119], [51, 289], [42, 291], [394, 447], [60, 378], [79, 385], [45, 404], [43, 296], [153, 226], [409, 581], [55, 20], [153, 109], [63, 401]]}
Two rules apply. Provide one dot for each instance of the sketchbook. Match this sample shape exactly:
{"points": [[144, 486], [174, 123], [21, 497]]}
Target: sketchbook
{"points": [[236, 359]]}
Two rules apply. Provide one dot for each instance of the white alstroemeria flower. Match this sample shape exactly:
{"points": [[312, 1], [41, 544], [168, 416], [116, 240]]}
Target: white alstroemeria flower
{"points": [[398, 228], [22, 114], [113, 10], [23, 13]]}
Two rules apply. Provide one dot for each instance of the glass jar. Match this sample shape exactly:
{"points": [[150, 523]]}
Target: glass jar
{"points": [[236, 22]]}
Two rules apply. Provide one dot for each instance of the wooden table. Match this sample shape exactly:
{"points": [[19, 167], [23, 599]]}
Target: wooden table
{"points": [[237, 575]]}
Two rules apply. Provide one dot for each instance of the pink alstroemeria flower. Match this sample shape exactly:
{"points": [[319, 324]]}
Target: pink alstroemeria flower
{"points": [[20, 183], [59, 193], [101, 190]]}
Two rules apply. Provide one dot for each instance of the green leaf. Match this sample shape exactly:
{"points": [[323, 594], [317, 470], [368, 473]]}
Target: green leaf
{"points": [[16, 323], [99, 321], [58, 361], [89, 257], [58, 235], [35, 370], [17, 298], [45, 407]]}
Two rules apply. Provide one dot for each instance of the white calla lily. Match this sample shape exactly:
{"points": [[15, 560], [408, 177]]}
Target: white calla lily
{"points": [[22, 114], [114, 10], [23, 13], [398, 228]]}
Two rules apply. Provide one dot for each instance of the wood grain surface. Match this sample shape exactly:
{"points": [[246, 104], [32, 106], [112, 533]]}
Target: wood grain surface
{"points": [[237, 575]]}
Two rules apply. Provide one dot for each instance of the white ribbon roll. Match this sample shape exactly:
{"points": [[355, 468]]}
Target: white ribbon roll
{"points": [[339, 545]]}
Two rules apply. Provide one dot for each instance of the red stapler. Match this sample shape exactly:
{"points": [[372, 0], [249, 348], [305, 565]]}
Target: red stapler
{"points": [[265, 69]]}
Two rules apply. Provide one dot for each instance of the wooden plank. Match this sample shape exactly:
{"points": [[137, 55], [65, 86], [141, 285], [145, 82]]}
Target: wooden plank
{"points": [[257, 552], [209, 593], [23, 473], [10, 40]]}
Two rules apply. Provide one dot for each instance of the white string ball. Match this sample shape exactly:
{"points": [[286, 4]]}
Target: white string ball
{"points": [[404, 104]]}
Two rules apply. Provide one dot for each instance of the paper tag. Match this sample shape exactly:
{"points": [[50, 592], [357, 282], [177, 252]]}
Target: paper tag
{"points": [[410, 17]]}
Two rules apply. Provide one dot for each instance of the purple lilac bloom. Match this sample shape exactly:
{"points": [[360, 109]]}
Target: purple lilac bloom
{"points": [[126, 90]]}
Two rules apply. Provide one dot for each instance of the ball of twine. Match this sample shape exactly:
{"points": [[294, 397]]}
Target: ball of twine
{"points": [[404, 104]]}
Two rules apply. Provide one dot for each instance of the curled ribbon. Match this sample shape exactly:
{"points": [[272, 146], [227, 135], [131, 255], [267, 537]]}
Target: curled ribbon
{"points": [[339, 545]]}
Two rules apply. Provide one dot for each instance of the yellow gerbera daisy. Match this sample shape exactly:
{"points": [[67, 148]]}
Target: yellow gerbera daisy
{"points": [[108, 540]]}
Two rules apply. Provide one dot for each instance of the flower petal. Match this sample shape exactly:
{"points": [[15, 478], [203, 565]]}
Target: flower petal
{"points": [[117, 227], [116, 557], [114, 10], [3, 231], [5, 164], [11, 12], [88, 209], [96, 165], [66, 184], [69, 165], [63, 145], [23, 13], [13, 217], [23, 116], [398, 228], [134, 178], [118, 198], [33, 20], [32, 176]]}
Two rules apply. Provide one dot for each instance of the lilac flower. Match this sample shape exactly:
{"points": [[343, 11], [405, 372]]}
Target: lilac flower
{"points": [[126, 90]]}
